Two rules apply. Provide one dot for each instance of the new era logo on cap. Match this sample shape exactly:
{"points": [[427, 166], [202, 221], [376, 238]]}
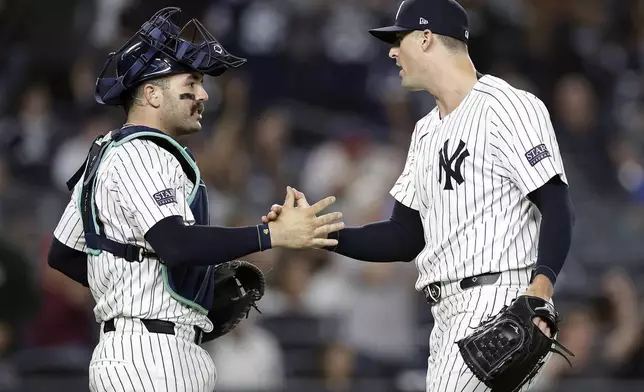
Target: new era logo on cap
{"points": [[423, 21]]}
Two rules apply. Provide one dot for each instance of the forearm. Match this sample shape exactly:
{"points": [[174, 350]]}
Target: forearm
{"points": [[557, 221], [179, 244], [398, 239], [71, 262], [377, 242]]}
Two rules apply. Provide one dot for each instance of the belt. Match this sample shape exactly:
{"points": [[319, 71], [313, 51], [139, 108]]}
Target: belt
{"points": [[433, 290], [156, 326]]}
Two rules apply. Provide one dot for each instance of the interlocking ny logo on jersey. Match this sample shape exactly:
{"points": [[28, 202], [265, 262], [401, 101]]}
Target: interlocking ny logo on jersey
{"points": [[452, 165]]}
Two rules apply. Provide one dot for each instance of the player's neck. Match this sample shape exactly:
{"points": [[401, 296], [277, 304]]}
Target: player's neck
{"points": [[138, 119], [455, 83]]}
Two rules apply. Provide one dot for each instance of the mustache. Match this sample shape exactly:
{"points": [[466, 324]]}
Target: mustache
{"points": [[199, 106], [187, 96]]}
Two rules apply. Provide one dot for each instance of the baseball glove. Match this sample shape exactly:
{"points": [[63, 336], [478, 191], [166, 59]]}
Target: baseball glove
{"points": [[507, 351], [238, 286]]}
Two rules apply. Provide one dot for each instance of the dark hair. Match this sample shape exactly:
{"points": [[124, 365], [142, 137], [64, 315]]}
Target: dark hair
{"points": [[452, 44], [131, 95]]}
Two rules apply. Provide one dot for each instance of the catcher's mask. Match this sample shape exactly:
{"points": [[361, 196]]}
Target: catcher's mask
{"points": [[159, 49]]}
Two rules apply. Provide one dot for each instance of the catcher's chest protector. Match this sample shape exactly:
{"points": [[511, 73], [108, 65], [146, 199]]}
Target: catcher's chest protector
{"points": [[190, 285]]}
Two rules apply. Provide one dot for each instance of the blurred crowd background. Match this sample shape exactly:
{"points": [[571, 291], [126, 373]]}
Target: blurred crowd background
{"points": [[319, 106]]}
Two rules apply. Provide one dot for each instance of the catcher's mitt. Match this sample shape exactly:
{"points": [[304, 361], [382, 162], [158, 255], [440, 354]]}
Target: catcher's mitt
{"points": [[238, 286], [508, 350]]}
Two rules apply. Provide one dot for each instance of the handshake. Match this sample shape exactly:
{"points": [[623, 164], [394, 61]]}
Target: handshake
{"points": [[296, 225]]}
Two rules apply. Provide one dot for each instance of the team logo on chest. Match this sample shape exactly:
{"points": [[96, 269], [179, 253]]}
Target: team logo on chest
{"points": [[452, 165]]}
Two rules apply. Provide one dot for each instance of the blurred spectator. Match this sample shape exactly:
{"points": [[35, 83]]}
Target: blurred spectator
{"points": [[290, 281], [269, 154], [73, 151], [346, 169], [346, 369], [82, 80], [222, 157], [106, 25], [30, 138], [603, 337], [5, 179], [373, 297], [582, 134], [382, 303], [338, 368], [630, 167], [328, 171], [18, 303], [247, 359], [66, 311], [329, 291]]}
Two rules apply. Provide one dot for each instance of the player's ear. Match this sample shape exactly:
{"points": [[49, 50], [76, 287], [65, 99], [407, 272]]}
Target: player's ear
{"points": [[426, 39], [152, 95]]}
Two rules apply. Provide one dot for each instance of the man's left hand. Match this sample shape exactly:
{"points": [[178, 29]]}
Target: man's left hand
{"points": [[541, 287]]}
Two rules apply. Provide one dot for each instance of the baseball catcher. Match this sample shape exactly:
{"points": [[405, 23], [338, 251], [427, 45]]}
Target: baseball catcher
{"points": [[137, 229], [507, 351]]}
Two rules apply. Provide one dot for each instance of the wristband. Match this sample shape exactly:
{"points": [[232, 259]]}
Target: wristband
{"points": [[264, 236]]}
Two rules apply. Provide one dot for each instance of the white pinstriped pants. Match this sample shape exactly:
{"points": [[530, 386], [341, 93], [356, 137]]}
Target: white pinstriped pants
{"points": [[456, 316], [133, 359]]}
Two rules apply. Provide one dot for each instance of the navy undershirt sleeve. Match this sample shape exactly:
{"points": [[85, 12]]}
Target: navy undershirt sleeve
{"points": [[70, 262], [557, 221], [400, 238], [176, 244], [180, 244]]}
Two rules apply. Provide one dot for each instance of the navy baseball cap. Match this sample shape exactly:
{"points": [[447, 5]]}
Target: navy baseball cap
{"points": [[443, 17]]}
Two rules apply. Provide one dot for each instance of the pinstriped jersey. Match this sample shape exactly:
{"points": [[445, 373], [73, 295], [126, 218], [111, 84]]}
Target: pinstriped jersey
{"points": [[134, 185], [469, 174]]}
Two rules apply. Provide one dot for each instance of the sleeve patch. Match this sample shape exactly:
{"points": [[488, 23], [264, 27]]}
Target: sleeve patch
{"points": [[165, 196], [537, 154]]}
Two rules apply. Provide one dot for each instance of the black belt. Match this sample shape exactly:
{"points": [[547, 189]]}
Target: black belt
{"points": [[156, 326], [433, 290]]}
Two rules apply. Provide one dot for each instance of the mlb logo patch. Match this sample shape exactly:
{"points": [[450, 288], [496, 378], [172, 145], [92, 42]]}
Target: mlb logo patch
{"points": [[165, 196], [537, 154]]}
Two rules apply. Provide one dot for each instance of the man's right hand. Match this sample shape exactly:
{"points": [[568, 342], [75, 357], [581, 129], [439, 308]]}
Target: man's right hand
{"points": [[300, 228], [276, 209]]}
